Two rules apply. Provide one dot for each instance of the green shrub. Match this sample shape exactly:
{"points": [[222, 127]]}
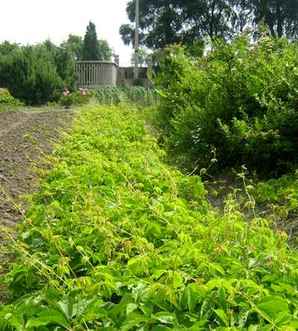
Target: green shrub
{"points": [[36, 74], [240, 99], [64, 62], [30, 75], [118, 240], [7, 99], [279, 199]]}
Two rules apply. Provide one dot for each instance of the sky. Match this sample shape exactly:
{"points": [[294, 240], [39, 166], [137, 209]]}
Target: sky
{"points": [[33, 21]]}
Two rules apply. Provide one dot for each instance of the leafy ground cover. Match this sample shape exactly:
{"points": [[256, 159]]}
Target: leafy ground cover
{"points": [[279, 197], [274, 199], [26, 137], [118, 240]]}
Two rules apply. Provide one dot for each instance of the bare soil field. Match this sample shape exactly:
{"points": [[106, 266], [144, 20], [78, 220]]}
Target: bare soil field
{"points": [[25, 138]]}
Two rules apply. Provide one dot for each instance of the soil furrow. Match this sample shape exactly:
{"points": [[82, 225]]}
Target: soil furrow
{"points": [[24, 139]]}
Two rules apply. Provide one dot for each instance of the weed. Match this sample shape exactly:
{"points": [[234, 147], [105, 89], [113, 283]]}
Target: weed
{"points": [[117, 240]]}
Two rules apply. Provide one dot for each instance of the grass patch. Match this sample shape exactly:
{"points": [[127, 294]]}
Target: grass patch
{"points": [[118, 240]]}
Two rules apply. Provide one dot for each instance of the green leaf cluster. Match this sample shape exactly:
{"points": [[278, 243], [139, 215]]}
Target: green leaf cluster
{"points": [[240, 99], [279, 199], [118, 240], [6, 99]]}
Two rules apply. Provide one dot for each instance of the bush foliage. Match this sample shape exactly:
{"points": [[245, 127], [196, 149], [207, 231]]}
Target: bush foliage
{"points": [[36, 74], [279, 199], [117, 240], [6, 99], [240, 99]]}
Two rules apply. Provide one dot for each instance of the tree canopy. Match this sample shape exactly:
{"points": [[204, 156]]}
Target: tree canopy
{"points": [[164, 22], [74, 44], [94, 49], [281, 16]]}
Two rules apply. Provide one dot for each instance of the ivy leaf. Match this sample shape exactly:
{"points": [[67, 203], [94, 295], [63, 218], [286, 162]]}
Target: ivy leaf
{"points": [[138, 265], [135, 320], [47, 317], [131, 307], [165, 318], [222, 316], [274, 309]]}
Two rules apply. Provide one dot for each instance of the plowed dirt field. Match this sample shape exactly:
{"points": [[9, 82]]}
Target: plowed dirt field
{"points": [[25, 137]]}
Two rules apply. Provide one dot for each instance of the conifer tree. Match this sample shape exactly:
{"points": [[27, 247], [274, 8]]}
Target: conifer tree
{"points": [[90, 46], [94, 49]]}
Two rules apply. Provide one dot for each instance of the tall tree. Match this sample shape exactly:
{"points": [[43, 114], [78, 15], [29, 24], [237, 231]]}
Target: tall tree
{"points": [[105, 52], [281, 16], [164, 22], [90, 45], [74, 44], [94, 49], [144, 58], [7, 48]]}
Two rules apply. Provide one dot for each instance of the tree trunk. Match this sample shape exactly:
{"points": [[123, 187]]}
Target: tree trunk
{"points": [[279, 18]]}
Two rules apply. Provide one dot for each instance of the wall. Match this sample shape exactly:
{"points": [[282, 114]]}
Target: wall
{"points": [[126, 77], [93, 74]]}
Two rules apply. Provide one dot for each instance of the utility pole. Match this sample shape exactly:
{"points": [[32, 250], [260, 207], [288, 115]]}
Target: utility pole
{"points": [[136, 69]]}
